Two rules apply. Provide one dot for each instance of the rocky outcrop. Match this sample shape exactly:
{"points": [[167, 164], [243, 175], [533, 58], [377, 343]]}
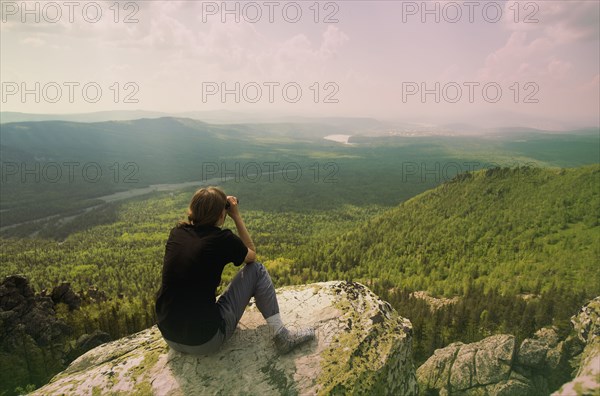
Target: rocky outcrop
{"points": [[34, 343], [24, 313], [362, 347], [31, 336], [497, 365], [434, 303], [64, 294], [587, 330], [87, 342]]}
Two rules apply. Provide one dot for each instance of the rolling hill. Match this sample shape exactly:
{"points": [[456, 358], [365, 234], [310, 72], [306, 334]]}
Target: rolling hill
{"points": [[489, 236], [519, 230]]}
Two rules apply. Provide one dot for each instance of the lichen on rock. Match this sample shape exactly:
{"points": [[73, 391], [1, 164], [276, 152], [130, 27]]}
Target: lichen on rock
{"points": [[362, 346], [587, 328], [471, 368], [497, 365]]}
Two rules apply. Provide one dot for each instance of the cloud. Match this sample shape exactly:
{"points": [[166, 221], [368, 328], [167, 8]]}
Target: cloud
{"points": [[240, 51], [592, 85], [539, 50], [174, 34], [33, 41], [298, 56], [570, 21], [561, 21], [520, 57], [333, 39]]}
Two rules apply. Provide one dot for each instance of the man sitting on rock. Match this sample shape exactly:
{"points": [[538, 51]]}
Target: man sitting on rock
{"points": [[190, 318]]}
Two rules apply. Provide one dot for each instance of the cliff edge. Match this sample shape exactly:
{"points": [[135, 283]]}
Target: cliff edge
{"points": [[587, 329], [363, 346]]}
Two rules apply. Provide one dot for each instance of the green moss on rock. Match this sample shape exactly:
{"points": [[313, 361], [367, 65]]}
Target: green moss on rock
{"points": [[362, 347]]}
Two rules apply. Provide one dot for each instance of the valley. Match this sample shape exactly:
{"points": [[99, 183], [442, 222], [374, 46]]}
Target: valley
{"points": [[479, 221]]}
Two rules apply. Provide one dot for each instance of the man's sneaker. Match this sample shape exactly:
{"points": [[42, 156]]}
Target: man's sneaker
{"points": [[286, 340]]}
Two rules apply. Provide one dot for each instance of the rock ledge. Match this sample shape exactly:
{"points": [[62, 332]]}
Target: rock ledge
{"points": [[362, 346]]}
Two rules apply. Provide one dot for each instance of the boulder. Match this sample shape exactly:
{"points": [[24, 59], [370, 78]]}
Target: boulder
{"points": [[362, 346], [463, 373], [493, 358], [587, 322], [32, 338], [64, 294], [435, 373], [22, 312], [469, 369], [496, 366], [548, 335], [87, 342], [587, 328], [532, 353]]}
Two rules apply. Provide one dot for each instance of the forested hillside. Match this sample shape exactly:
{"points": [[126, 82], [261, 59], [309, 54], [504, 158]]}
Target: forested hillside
{"points": [[489, 237], [517, 230], [519, 247]]}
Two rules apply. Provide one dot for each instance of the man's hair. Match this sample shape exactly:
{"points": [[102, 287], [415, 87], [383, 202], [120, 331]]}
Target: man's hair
{"points": [[205, 208]]}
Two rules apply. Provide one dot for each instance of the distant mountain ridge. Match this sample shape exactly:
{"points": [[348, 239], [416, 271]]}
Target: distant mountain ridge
{"points": [[360, 124], [214, 117]]}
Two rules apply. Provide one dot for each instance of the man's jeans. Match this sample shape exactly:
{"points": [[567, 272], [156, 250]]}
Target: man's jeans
{"points": [[252, 280]]}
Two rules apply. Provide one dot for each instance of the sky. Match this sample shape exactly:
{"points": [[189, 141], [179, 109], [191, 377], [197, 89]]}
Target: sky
{"points": [[533, 63]]}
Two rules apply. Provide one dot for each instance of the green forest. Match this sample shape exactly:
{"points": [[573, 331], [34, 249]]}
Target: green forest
{"points": [[71, 165], [490, 237], [517, 230], [504, 223]]}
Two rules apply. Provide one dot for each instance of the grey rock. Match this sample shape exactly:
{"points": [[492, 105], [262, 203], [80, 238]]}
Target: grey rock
{"points": [[556, 356], [547, 335], [494, 358], [494, 366], [435, 372], [512, 387], [23, 313], [461, 369], [587, 322], [90, 341], [366, 358], [532, 353], [463, 375], [63, 293], [587, 327]]}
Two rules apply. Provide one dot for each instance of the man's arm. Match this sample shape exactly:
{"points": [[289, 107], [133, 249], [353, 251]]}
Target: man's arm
{"points": [[235, 215]]}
